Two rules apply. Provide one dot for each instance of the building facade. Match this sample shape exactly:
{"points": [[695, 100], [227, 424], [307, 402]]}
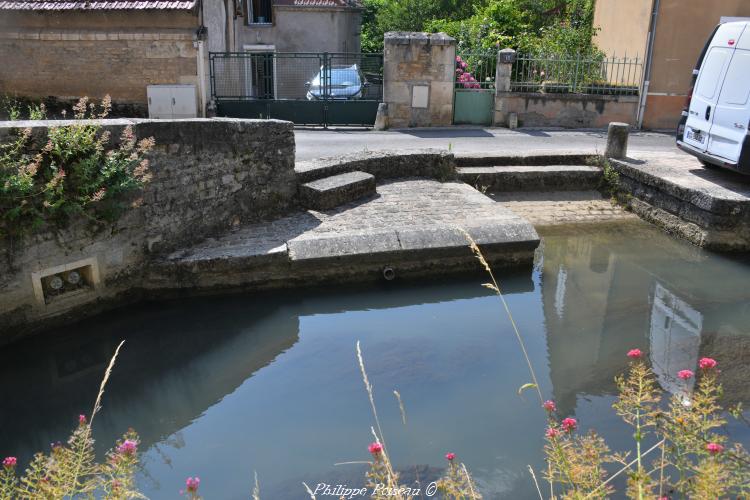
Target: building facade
{"points": [[68, 49], [669, 36]]}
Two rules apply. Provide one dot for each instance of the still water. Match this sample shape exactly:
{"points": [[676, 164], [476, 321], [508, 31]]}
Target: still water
{"points": [[223, 387]]}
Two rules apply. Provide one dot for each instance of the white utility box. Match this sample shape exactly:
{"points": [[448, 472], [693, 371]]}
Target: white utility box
{"points": [[172, 101]]}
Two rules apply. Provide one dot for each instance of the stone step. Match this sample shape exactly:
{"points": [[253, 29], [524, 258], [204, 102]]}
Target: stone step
{"points": [[532, 178], [330, 192]]}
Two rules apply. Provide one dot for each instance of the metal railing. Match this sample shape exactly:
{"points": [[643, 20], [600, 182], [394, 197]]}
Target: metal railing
{"points": [[475, 71], [295, 76], [577, 74]]}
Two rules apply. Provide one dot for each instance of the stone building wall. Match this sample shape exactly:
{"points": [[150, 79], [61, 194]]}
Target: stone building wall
{"points": [[68, 55], [418, 76], [208, 176]]}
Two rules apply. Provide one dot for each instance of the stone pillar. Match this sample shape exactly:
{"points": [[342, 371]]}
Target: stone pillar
{"points": [[418, 79], [617, 140], [504, 65]]}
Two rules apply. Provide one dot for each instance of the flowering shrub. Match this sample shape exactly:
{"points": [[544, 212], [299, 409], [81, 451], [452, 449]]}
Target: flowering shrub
{"points": [[77, 172], [464, 76], [685, 432], [70, 470]]}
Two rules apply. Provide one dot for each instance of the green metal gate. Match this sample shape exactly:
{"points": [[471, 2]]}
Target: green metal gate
{"points": [[304, 88], [474, 94]]}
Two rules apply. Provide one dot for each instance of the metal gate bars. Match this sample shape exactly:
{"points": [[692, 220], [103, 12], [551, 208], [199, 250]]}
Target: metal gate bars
{"points": [[304, 88]]}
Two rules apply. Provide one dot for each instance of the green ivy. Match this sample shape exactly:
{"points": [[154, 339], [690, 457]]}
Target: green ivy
{"points": [[76, 173]]}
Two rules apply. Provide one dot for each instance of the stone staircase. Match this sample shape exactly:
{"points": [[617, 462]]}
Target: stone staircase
{"points": [[330, 192], [530, 173]]}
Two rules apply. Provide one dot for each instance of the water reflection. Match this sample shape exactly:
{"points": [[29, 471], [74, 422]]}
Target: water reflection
{"points": [[223, 386], [626, 288]]}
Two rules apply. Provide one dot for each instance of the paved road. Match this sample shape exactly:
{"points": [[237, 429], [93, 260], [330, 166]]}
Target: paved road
{"points": [[313, 143]]}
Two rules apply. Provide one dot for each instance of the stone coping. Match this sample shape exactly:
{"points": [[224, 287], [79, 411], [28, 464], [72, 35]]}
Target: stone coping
{"points": [[683, 177], [430, 163], [422, 38], [570, 96]]}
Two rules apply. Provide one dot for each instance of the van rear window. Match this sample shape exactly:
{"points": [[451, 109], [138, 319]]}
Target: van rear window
{"points": [[711, 71], [736, 88]]}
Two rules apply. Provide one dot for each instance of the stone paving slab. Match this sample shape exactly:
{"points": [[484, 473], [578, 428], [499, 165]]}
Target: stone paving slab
{"points": [[682, 176], [564, 207], [406, 216]]}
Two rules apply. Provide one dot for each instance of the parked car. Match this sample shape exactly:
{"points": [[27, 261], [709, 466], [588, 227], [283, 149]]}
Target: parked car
{"points": [[715, 123], [338, 82]]}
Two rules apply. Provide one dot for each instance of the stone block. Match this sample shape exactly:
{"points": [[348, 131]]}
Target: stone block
{"points": [[330, 192]]}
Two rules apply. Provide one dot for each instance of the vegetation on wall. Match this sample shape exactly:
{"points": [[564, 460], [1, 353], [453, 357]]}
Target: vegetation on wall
{"points": [[531, 26], [77, 172]]}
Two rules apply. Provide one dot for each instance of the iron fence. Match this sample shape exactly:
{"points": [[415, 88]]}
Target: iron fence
{"points": [[296, 76], [476, 71], [577, 74]]}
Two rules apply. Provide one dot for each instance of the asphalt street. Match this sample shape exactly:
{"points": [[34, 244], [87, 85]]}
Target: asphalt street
{"points": [[318, 143]]}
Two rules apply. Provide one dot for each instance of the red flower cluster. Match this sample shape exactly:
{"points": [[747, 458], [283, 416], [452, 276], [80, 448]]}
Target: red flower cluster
{"points": [[714, 448], [635, 353], [569, 424], [375, 448], [10, 462], [450, 456], [707, 363], [549, 405], [685, 374]]}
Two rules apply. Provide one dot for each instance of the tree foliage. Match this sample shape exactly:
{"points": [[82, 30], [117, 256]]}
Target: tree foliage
{"points": [[531, 26]]}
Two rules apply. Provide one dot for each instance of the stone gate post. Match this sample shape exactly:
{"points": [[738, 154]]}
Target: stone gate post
{"points": [[505, 60], [418, 79]]}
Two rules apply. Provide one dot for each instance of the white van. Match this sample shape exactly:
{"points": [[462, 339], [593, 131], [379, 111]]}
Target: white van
{"points": [[714, 126]]}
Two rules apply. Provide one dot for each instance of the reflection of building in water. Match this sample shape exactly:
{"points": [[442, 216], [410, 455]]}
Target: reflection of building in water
{"points": [[675, 338], [604, 294]]}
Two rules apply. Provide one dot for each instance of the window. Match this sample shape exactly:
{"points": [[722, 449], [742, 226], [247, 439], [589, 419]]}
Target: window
{"points": [[260, 11]]}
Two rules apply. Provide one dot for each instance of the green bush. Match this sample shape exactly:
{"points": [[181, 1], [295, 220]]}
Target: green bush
{"points": [[76, 173]]}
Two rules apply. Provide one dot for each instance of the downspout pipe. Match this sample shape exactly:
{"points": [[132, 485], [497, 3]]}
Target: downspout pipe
{"points": [[648, 62]]}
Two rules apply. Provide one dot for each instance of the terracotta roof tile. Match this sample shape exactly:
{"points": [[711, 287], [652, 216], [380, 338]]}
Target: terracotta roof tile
{"points": [[96, 5], [320, 3]]}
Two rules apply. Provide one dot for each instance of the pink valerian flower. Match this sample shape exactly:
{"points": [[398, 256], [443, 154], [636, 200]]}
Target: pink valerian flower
{"points": [[714, 448], [375, 448], [635, 353], [10, 462], [99, 195], [552, 433], [707, 363], [569, 424], [685, 374], [128, 447], [458, 59], [82, 419], [549, 405], [450, 456], [192, 484]]}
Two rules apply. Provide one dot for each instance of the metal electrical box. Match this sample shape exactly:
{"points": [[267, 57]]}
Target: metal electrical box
{"points": [[172, 101]]}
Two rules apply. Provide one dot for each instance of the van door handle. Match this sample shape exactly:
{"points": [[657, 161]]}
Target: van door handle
{"points": [[708, 112]]}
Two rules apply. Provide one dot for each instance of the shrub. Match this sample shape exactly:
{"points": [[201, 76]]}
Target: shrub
{"points": [[76, 173]]}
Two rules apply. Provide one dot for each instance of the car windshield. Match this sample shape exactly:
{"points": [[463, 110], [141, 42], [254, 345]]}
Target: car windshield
{"points": [[343, 77]]}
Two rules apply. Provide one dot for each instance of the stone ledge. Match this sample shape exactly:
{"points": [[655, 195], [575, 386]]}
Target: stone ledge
{"points": [[713, 191], [382, 164]]}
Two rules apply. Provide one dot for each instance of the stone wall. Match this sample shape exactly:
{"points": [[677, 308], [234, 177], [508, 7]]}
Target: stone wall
{"points": [[73, 54], [418, 79], [208, 176], [564, 110]]}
